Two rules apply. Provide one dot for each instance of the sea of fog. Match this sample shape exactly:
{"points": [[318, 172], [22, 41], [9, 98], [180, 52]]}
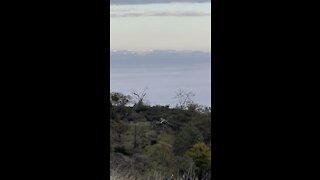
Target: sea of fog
{"points": [[163, 73]]}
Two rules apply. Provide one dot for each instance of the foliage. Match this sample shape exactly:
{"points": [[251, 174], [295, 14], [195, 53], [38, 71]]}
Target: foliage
{"points": [[143, 147], [188, 136], [119, 99], [120, 128], [200, 154]]}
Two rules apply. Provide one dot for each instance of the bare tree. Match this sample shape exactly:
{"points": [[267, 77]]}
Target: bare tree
{"points": [[139, 102], [139, 96], [184, 98]]}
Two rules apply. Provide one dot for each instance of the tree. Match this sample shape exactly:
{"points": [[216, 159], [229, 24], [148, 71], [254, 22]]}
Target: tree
{"points": [[139, 100], [120, 128], [184, 98], [118, 99], [139, 136], [139, 96]]}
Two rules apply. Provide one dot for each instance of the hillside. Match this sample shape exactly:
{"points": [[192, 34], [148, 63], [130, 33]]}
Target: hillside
{"points": [[149, 141]]}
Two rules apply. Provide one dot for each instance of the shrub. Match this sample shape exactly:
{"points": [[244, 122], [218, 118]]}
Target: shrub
{"points": [[200, 154], [188, 136]]}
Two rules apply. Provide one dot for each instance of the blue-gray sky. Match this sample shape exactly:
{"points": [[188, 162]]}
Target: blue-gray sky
{"points": [[163, 73]]}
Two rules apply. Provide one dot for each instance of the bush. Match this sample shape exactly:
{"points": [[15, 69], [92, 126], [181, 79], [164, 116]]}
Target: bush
{"points": [[188, 136], [200, 154]]}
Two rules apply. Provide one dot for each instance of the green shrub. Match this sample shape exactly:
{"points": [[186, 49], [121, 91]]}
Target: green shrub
{"points": [[201, 156]]}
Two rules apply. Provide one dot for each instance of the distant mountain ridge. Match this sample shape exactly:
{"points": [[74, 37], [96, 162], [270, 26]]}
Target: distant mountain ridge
{"points": [[158, 58]]}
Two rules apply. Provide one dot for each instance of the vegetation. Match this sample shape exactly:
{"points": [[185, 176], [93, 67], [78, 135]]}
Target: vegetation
{"points": [[159, 142]]}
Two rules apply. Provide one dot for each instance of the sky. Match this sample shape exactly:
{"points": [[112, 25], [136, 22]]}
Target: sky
{"points": [[161, 46], [166, 26], [163, 73]]}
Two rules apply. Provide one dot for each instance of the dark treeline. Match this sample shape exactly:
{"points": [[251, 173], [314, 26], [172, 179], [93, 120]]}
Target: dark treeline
{"points": [[170, 141]]}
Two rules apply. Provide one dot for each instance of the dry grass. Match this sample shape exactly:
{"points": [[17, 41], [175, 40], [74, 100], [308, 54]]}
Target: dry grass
{"points": [[118, 174]]}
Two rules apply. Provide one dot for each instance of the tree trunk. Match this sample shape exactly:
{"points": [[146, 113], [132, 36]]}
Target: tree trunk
{"points": [[135, 136]]}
